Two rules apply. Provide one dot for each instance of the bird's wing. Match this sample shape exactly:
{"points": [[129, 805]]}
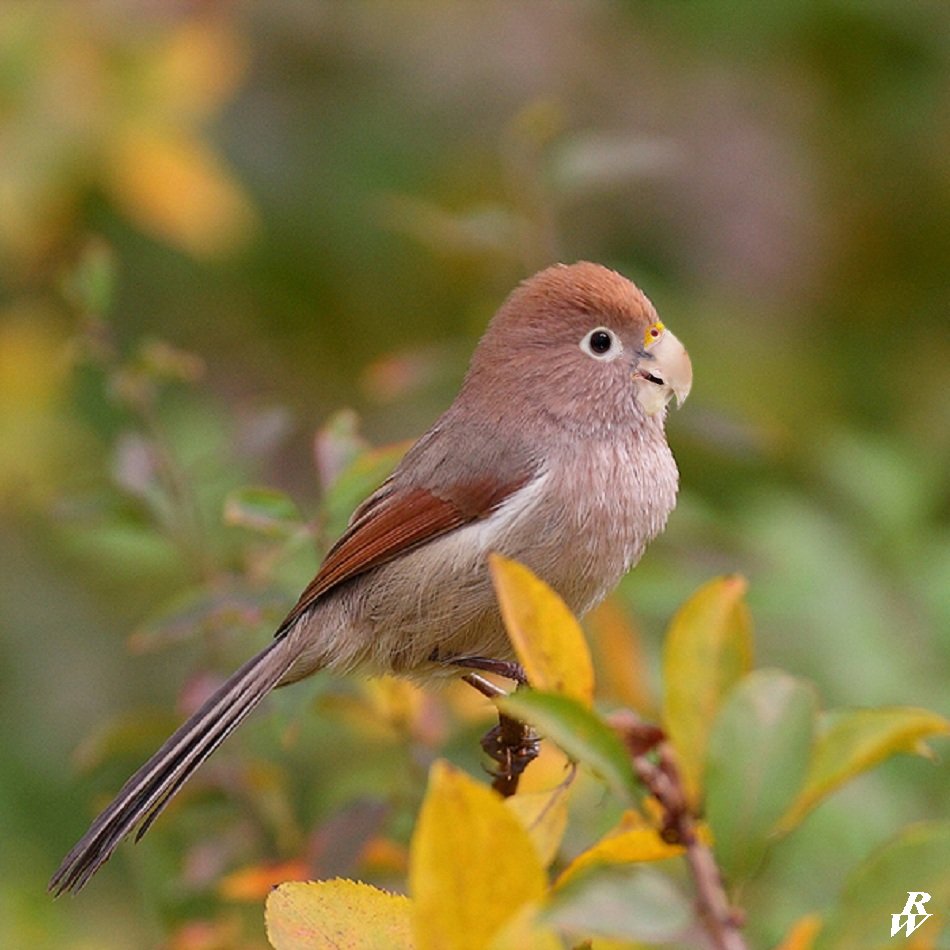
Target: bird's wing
{"points": [[397, 519]]}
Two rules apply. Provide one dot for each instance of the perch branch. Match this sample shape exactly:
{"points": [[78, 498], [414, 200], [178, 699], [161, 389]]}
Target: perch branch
{"points": [[661, 776]]}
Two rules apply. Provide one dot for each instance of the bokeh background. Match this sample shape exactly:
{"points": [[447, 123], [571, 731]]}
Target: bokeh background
{"points": [[224, 223]]}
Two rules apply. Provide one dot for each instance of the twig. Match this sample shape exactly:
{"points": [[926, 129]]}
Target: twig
{"points": [[661, 777]]}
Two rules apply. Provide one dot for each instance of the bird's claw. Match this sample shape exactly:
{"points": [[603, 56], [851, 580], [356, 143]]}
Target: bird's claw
{"points": [[512, 746]]}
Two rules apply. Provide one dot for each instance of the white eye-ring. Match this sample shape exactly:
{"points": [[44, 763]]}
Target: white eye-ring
{"points": [[602, 344]]}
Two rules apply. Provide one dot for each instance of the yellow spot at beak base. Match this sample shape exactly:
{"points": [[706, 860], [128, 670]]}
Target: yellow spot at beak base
{"points": [[652, 334], [667, 359]]}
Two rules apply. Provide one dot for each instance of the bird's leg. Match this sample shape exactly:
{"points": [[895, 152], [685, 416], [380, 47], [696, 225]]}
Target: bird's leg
{"points": [[512, 744], [506, 668]]}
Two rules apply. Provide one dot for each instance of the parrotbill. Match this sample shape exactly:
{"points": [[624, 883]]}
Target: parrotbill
{"points": [[553, 453]]}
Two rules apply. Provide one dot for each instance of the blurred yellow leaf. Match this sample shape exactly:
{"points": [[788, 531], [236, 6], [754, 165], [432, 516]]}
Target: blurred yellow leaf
{"points": [[473, 866], [641, 844], [633, 840], [548, 770], [544, 816], [356, 714], [398, 702], [174, 187], [546, 636], [387, 708], [708, 647], [384, 856], [337, 915], [619, 657], [466, 704], [607, 943], [33, 364], [222, 933], [802, 935], [256, 882], [851, 741], [197, 67], [36, 436], [523, 932], [93, 75]]}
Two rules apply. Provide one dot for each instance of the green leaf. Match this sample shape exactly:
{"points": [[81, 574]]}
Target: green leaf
{"points": [[915, 860], [90, 285], [758, 757], [544, 817], [580, 732], [632, 903], [851, 741], [265, 510], [329, 915], [708, 647]]}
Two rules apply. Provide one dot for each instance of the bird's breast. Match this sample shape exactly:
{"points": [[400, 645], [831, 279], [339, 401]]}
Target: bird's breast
{"points": [[609, 499]]}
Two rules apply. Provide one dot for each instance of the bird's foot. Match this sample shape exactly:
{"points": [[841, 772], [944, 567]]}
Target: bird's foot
{"points": [[509, 669], [511, 745]]}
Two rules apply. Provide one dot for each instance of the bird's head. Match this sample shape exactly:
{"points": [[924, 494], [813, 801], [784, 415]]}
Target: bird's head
{"points": [[586, 346]]}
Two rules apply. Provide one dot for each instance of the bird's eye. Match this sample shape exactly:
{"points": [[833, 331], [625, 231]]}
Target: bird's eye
{"points": [[602, 344]]}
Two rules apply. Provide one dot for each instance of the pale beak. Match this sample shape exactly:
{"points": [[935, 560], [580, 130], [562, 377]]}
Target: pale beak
{"points": [[664, 372]]}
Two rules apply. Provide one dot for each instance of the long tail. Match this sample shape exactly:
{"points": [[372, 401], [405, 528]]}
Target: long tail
{"points": [[150, 789]]}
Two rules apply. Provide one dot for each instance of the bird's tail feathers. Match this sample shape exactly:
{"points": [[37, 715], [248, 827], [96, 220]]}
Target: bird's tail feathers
{"points": [[149, 790]]}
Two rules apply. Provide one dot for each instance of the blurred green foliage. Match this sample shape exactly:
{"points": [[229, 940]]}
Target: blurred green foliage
{"points": [[222, 224]]}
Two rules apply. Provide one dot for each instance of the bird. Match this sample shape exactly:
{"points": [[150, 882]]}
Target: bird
{"points": [[553, 453]]}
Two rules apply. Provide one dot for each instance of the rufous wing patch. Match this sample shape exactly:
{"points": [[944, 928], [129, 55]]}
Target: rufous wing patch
{"points": [[395, 522]]}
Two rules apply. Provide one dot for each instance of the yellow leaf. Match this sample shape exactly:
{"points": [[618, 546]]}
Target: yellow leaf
{"points": [[524, 931], [197, 67], [852, 741], [544, 817], [337, 915], [37, 438], [708, 647], [546, 636], [388, 708], [635, 841], [802, 935], [397, 702], [549, 769], [619, 657], [355, 713], [472, 865], [175, 188]]}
